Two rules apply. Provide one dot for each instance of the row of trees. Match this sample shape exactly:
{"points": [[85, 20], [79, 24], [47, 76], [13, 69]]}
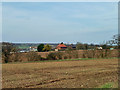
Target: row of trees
{"points": [[81, 46], [113, 43]]}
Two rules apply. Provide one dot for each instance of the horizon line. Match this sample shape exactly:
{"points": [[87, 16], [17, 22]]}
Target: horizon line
{"points": [[52, 42]]}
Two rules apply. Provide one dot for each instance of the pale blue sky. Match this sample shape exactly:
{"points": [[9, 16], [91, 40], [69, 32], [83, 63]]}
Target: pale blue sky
{"points": [[87, 22]]}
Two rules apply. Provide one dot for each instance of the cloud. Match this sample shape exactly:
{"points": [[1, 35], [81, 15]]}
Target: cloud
{"points": [[56, 22]]}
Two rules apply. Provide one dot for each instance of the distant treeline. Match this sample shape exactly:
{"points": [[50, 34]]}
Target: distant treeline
{"points": [[10, 51], [10, 54]]}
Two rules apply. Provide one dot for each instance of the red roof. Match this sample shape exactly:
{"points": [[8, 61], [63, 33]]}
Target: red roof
{"points": [[61, 45]]}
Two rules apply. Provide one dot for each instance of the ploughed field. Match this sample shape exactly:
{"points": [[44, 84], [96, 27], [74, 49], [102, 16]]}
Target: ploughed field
{"points": [[91, 73]]}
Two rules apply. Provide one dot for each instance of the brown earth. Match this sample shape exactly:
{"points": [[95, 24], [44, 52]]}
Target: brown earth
{"points": [[60, 74]]}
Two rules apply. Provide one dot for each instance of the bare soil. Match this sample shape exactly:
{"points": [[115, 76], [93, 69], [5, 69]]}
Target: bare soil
{"points": [[60, 74]]}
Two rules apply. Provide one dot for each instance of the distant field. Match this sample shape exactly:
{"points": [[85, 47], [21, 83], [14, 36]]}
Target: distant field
{"points": [[99, 73], [23, 47]]}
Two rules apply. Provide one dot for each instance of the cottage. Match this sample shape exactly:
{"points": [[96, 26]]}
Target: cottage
{"points": [[61, 46]]}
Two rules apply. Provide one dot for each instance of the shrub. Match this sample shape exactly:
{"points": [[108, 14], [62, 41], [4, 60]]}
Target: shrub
{"points": [[70, 57], [33, 56], [89, 54], [69, 53], [85, 54], [65, 57], [75, 54], [14, 57], [51, 56], [6, 50], [3, 58], [72, 54], [54, 56], [59, 55]]}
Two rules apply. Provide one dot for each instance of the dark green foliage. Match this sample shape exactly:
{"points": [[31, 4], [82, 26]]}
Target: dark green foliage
{"points": [[40, 47]]}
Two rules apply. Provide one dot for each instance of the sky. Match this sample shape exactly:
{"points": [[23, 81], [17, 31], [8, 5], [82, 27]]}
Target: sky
{"points": [[69, 22]]}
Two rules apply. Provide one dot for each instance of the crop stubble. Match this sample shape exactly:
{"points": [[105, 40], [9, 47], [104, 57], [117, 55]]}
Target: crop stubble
{"points": [[60, 74]]}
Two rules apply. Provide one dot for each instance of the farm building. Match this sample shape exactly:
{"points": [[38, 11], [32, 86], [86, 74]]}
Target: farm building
{"points": [[61, 46]]}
